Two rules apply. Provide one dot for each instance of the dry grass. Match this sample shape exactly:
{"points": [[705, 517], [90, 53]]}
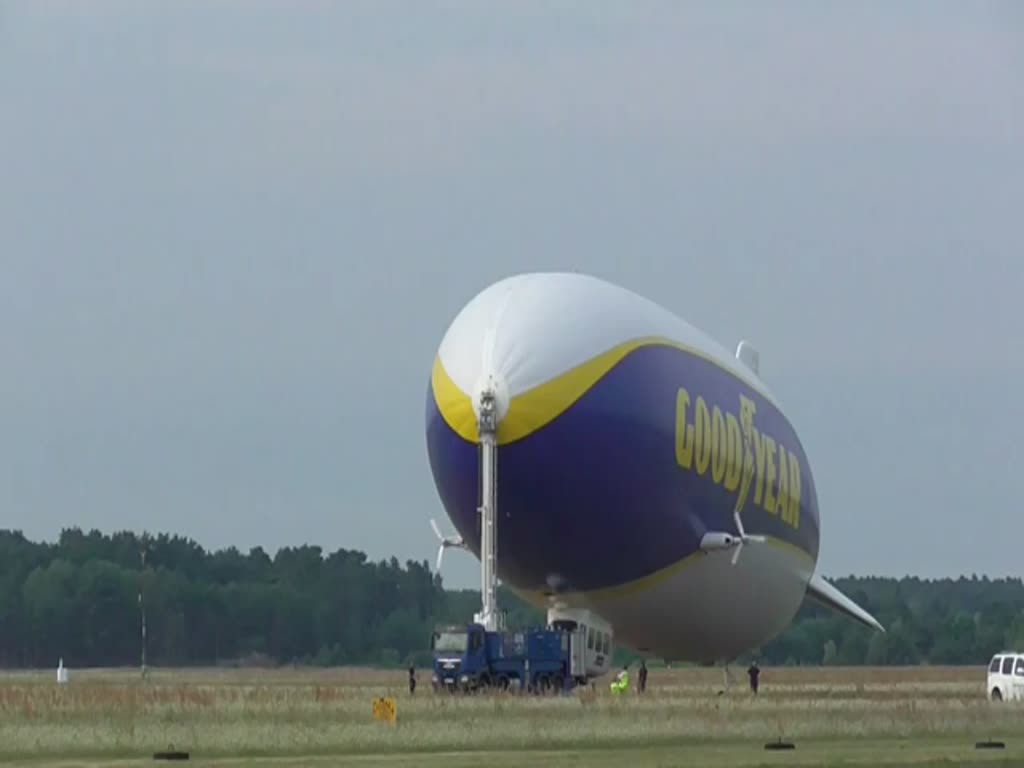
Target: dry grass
{"points": [[328, 712]]}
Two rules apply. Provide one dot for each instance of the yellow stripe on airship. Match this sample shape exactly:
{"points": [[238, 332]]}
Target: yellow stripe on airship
{"points": [[532, 409]]}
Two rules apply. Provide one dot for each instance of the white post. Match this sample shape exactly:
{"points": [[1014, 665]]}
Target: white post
{"points": [[142, 608]]}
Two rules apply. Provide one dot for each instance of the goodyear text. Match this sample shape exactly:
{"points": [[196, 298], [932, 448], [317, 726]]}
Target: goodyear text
{"points": [[729, 448]]}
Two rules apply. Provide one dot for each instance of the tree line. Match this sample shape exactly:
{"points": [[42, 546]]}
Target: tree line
{"points": [[83, 598]]}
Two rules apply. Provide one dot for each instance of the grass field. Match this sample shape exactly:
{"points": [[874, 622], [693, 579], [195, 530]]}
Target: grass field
{"points": [[835, 716]]}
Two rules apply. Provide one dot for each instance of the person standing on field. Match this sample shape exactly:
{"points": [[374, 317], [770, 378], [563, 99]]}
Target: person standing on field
{"points": [[753, 672], [412, 679], [642, 676]]}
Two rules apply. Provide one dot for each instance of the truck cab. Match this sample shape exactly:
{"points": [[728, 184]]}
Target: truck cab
{"points": [[1006, 676], [470, 658], [453, 647]]}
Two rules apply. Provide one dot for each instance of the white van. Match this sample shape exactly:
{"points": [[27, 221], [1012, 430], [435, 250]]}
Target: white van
{"points": [[1006, 676]]}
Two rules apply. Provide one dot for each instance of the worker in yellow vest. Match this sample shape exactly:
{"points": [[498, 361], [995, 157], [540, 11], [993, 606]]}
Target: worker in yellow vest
{"points": [[621, 682]]}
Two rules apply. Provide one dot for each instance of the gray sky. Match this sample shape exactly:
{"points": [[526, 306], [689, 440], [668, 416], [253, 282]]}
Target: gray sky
{"points": [[232, 235]]}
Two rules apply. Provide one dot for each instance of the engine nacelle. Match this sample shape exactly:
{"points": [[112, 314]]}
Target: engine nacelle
{"points": [[718, 540]]}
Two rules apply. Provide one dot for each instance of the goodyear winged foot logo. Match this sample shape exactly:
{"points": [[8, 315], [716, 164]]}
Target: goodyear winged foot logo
{"points": [[747, 409], [737, 456]]}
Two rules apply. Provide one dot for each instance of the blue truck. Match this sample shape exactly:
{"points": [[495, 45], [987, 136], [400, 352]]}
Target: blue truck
{"points": [[537, 660]]}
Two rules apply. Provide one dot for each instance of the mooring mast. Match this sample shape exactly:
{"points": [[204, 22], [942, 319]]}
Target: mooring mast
{"points": [[487, 422]]}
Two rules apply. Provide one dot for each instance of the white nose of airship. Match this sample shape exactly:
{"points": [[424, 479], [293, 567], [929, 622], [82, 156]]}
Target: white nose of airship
{"points": [[484, 347], [525, 331]]}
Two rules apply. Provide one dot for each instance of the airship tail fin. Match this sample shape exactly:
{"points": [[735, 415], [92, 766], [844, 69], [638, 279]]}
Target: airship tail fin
{"points": [[749, 356], [826, 594]]}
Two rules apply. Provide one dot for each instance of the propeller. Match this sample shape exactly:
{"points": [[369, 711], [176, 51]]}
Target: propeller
{"points": [[744, 537], [445, 542]]}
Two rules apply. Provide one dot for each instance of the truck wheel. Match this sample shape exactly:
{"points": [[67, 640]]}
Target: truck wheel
{"points": [[502, 682], [484, 683], [557, 683], [996, 695]]}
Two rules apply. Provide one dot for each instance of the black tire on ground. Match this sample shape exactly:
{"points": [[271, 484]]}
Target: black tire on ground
{"points": [[170, 755], [990, 745]]}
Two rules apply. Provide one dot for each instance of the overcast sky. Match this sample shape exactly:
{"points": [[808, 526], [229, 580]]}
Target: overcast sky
{"points": [[233, 234]]}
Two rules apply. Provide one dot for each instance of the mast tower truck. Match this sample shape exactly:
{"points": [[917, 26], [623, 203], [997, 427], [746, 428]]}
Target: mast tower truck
{"points": [[575, 645]]}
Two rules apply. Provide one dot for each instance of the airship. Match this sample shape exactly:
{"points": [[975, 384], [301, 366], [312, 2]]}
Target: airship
{"points": [[645, 475]]}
